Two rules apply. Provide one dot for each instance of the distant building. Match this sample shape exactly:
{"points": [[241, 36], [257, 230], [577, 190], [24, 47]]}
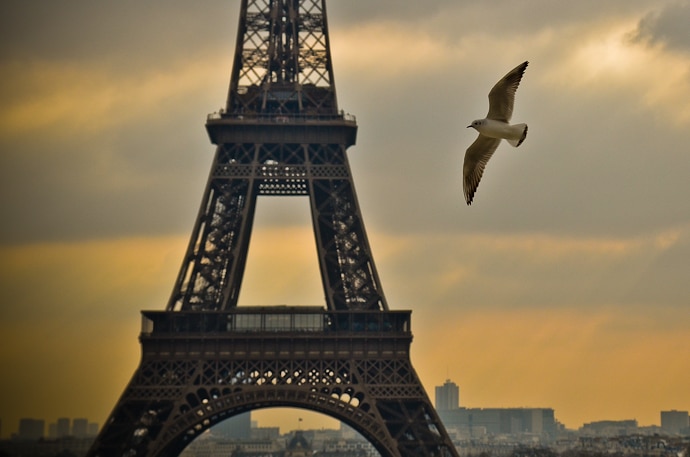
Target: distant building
{"points": [[447, 396], [344, 447], [92, 429], [31, 429], [675, 422], [62, 427], [609, 428], [265, 433], [298, 446], [237, 428], [473, 422], [80, 428], [347, 432]]}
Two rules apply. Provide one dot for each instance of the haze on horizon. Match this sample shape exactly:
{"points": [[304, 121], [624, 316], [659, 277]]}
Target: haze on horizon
{"points": [[565, 285]]}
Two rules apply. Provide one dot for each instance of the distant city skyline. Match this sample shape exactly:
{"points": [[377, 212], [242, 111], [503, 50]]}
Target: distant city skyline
{"points": [[605, 437], [671, 420], [30, 428]]}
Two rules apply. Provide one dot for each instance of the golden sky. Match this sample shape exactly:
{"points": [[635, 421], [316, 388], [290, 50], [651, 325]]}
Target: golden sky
{"points": [[565, 285]]}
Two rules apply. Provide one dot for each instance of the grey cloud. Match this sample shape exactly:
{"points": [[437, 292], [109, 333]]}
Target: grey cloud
{"points": [[659, 280], [668, 25], [488, 277], [615, 170], [456, 19], [131, 31], [129, 178], [141, 179]]}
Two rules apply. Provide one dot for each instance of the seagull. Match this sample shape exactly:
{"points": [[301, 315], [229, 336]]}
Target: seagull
{"points": [[492, 129]]}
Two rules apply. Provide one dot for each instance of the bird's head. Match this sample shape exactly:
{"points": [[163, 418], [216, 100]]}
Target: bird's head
{"points": [[476, 124]]}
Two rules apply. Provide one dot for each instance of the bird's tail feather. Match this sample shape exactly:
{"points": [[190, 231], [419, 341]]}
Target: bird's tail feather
{"points": [[518, 141]]}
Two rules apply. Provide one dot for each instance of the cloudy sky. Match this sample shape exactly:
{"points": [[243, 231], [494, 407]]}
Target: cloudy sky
{"points": [[565, 285]]}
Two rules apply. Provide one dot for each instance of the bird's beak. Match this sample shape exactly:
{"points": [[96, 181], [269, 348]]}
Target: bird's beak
{"points": [[469, 126]]}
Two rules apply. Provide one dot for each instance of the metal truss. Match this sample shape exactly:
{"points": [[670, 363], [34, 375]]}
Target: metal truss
{"points": [[211, 274], [282, 60]]}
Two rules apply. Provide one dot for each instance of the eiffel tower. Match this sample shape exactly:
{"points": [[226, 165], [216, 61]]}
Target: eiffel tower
{"points": [[204, 359]]}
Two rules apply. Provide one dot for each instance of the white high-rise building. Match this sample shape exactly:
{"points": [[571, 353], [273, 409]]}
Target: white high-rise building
{"points": [[447, 396], [676, 422]]}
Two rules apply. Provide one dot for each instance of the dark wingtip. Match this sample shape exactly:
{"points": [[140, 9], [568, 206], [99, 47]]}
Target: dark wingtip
{"points": [[522, 67], [522, 138]]}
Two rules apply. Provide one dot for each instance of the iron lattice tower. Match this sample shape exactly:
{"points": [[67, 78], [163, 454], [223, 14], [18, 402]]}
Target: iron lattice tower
{"points": [[204, 359]]}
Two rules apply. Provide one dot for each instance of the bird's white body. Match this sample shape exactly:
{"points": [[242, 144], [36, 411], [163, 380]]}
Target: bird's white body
{"points": [[515, 134]]}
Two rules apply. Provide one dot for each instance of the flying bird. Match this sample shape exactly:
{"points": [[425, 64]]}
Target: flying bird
{"points": [[492, 129]]}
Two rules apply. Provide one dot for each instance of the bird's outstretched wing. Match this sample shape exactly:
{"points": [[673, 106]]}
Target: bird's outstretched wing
{"points": [[502, 96], [476, 158]]}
